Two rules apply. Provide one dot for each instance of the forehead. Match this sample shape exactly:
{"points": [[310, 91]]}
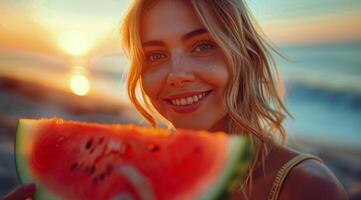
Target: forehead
{"points": [[169, 18]]}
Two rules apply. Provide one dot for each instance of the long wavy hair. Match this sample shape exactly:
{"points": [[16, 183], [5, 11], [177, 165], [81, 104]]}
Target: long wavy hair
{"points": [[254, 93]]}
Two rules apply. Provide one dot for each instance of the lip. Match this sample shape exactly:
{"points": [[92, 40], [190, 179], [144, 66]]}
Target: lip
{"points": [[187, 108]]}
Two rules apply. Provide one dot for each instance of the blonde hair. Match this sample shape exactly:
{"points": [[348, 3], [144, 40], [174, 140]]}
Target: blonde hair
{"points": [[253, 95]]}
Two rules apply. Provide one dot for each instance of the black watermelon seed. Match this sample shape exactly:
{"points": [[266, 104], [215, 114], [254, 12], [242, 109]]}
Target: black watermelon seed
{"points": [[88, 144], [92, 170], [74, 166], [102, 176], [153, 148]]}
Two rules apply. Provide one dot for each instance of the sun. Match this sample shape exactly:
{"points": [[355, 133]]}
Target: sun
{"points": [[79, 82], [76, 43]]}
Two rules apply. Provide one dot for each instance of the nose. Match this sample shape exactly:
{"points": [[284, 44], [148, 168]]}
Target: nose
{"points": [[180, 75], [180, 78]]}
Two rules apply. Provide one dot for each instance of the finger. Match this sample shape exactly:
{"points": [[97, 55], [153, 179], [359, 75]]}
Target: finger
{"points": [[21, 193]]}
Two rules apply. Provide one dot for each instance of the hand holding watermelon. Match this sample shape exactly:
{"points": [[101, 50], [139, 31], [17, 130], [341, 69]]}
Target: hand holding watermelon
{"points": [[74, 161], [24, 192]]}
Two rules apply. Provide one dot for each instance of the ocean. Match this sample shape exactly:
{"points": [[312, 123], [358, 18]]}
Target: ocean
{"points": [[323, 92]]}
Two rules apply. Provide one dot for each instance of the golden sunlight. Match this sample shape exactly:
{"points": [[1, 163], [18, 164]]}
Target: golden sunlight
{"points": [[76, 43], [79, 83]]}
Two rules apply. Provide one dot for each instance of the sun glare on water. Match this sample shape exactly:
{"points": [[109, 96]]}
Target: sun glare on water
{"points": [[79, 83]]}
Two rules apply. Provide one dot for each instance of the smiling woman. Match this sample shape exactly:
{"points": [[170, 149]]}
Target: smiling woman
{"points": [[205, 66]]}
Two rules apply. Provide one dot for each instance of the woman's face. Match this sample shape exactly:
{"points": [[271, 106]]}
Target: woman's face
{"points": [[185, 72]]}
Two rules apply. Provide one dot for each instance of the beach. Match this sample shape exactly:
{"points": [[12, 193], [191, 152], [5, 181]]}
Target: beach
{"points": [[26, 99]]}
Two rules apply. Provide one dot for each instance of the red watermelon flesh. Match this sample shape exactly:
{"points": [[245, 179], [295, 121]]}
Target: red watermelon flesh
{"points": [[73, 160]]}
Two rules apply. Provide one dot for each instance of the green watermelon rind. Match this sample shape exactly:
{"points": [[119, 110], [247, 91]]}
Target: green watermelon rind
{"points": [[24, 134], [239, 157]]}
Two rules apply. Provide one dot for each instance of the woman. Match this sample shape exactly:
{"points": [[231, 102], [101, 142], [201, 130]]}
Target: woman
{"points": [[203, 65]]}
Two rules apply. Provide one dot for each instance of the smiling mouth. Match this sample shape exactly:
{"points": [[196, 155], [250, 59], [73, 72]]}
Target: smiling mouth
{"points": [[188, 100]]}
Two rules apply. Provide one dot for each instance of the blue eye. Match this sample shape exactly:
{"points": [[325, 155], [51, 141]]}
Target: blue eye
{"points": [[203, 46], [155, 57]]}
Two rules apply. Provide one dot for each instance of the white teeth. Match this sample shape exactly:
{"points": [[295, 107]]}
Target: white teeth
{"points": [[188, 100], [183, 101]]}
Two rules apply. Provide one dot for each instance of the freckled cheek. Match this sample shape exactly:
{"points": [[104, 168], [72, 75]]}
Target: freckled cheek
{"points": [[153, 82], [214, 72]]}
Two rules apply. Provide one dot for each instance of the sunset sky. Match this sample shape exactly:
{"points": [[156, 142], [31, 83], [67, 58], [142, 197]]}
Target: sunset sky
{"points": [[90, 27], [74, 45]]}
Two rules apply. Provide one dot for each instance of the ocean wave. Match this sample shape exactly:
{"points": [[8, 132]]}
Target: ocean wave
{"points": [[299, 91]]}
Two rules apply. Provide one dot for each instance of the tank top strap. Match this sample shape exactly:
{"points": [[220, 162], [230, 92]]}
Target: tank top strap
{"points": [[283, 172]]}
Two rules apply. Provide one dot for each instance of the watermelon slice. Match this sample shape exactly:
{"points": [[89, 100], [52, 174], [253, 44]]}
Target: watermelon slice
{"points": [[73, 160]]}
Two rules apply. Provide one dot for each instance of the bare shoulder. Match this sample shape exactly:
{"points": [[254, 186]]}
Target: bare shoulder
{"points": [[312, 180]]}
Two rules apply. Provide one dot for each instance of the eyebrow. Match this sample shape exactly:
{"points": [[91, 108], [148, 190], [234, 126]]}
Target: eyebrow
{"points": [[153, 43], [185, 37], [194, 33]]}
